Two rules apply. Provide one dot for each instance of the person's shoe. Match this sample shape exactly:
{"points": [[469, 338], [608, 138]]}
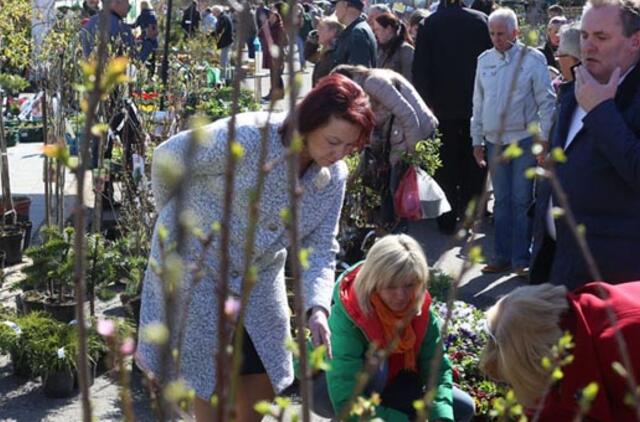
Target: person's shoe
{"points": [[496, 268], [521, 272], [274, 96], [277, 94]]}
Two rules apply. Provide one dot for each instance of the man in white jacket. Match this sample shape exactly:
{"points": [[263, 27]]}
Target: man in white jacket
{"points": [[504, 111]]}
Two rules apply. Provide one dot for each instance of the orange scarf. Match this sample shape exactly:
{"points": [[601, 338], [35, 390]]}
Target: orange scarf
{"points": [[390, 320]]}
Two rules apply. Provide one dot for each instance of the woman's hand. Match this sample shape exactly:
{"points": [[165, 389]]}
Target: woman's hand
{"points": [[319, 327]]}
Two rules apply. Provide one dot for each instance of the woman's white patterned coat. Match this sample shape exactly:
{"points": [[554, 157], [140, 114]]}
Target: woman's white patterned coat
{"points": [[267, 317]]}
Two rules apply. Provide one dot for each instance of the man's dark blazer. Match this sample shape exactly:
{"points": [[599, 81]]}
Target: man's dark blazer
{"points": [[602, 181], [356, 45], [444, 65]]}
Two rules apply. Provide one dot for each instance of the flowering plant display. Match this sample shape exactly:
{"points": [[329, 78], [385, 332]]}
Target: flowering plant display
{"points": [[464, 342], [147, 100]]}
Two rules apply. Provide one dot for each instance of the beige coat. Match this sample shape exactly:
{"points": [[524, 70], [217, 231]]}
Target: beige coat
{"points": [[393, 95]]}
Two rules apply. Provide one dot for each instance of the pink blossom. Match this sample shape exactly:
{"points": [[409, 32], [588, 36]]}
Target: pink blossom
{"points": [[105, 327], [128, 346], [232, 307]]}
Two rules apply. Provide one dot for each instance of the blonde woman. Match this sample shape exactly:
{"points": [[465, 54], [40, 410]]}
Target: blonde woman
{"points": [[523, 327], [378, 301]]}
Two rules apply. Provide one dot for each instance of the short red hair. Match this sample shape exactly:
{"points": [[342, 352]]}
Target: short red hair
{"points": [[336, 96]]}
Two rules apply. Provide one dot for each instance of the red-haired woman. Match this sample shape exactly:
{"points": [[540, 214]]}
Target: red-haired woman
{"points": [[395, 47], [333, 120]]}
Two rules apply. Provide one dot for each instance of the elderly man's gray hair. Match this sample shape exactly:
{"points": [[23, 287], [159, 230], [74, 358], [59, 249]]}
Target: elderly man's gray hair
{"points": [[379, 7], [557, 22], [506, 15]]}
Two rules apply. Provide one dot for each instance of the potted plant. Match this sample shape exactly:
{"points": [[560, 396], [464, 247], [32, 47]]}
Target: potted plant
{"points": [[30, 301], [132, 295], [133, 249], [97, 350], [11, 235], [53, 357], [11, 240], [9, 332], [104, 261], [17, 337], [51, 274], [22, 206]]}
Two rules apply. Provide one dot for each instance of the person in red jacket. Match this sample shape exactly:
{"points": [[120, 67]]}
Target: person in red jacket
{"points": [[524, 326]]}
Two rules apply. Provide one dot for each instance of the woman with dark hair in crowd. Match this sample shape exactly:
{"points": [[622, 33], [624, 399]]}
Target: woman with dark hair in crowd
{"points": [[525, 325], [395, 47], [277, 40], [333, 120], [262, 25]]}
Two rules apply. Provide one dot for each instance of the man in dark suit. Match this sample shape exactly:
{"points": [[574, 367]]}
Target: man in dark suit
{"points": [[599, 129], [448, 44]]}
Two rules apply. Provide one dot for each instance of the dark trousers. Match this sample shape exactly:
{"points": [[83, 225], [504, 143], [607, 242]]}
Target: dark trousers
{"points": [[463, 404], [542, 262], [460, 176], [251, 48]]}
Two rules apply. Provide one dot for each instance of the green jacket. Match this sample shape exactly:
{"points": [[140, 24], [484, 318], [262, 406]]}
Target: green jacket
{"points": [[350, 344]]}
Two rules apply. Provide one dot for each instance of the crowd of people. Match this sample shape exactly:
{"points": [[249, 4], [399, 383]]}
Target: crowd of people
{"points": [[381, 82]]}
